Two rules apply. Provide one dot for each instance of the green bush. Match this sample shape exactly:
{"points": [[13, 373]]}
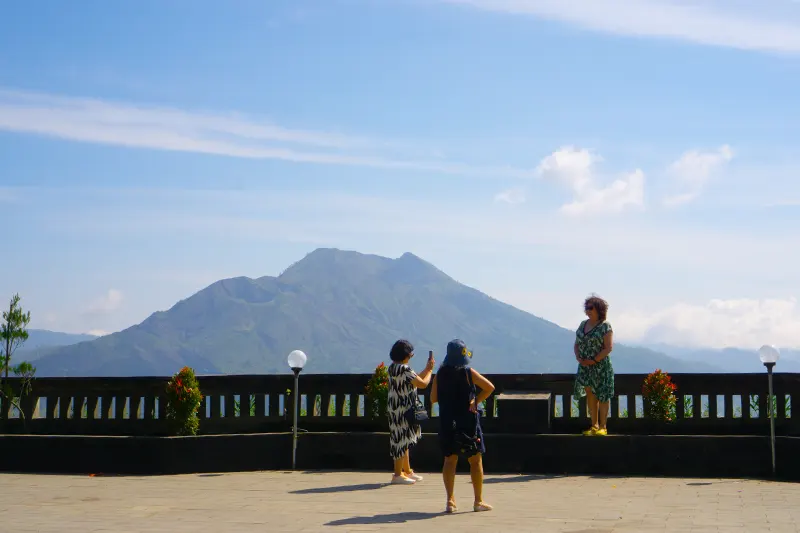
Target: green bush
{"points": [[377, 392], [658, 396], [183, 402]]}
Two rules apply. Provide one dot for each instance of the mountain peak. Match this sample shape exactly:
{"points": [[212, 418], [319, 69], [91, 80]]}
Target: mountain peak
{"points": [[330, 262], [327, 253], [409, 268], [334, 264]]}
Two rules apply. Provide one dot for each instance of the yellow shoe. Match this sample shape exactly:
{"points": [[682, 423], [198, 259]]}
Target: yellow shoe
{"points": [[601, 432], [591, 432]]}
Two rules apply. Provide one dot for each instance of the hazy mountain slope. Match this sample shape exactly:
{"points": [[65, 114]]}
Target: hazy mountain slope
{"points": [[41, 342], [42, 338], [731, 359], [344, 309]]}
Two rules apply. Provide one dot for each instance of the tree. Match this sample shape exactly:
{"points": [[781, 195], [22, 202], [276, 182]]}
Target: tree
{"points": [[13, 333]]}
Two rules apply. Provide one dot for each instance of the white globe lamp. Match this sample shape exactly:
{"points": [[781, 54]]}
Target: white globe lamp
{"points": [[769, 356], [297, 360]]}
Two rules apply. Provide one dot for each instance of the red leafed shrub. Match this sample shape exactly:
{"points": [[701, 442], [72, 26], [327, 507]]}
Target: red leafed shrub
{"points": [[658, 396], [183, 402], [377, 392]]}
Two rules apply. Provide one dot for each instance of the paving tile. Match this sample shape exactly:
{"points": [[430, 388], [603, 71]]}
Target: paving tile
{"points": [[352, 501]]}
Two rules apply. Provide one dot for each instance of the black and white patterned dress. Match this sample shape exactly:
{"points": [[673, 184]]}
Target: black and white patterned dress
{"points": [[402, 397]]}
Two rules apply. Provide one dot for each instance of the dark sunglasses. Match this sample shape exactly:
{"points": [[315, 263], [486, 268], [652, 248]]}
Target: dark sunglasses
{"points": [[589, 308]]}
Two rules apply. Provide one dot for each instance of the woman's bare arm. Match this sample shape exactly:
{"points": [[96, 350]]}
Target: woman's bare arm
{"points": [[434, 392], [608, 345], [486, 386], [423, 379]]}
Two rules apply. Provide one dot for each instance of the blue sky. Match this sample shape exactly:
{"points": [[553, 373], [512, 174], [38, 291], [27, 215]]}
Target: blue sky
{"points": [[538, 150]]}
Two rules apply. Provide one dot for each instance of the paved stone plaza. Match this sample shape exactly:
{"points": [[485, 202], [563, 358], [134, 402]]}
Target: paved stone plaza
{"points": [[278, 501]]}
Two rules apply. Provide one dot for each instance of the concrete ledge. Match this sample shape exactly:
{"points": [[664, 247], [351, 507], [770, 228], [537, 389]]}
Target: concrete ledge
{"points": [[653, 455], [68, 454]]}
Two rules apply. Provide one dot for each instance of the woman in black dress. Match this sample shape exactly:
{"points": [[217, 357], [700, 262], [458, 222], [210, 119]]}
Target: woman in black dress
{"points": [[455, 389]]}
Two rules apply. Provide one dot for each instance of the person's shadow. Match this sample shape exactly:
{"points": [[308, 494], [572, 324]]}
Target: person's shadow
{"points": [[343, 488], [520, 479], [395, 518]]}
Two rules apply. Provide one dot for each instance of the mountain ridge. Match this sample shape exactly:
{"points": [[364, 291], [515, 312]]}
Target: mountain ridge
{"points": [[344, 309], [43, 338], [731, 359]]}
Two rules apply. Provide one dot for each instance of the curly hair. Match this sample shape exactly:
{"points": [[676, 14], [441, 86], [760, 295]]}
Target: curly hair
{"points": [[599, 304]]}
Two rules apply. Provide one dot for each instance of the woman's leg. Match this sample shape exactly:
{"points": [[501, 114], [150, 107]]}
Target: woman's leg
{"points": [[400, 477], [407, 463], [400, 458], [591, 405], [605, 391], [398, 466], [449, 476], [603, 408], [476, 474]]}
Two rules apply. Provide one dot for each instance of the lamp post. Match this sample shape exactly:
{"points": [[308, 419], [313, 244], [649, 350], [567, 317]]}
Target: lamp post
{"points": [[769, 355], [297, 360]]}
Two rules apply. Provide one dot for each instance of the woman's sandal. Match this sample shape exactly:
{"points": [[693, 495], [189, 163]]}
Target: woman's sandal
{"points": [[451, 508], [481, 507]]}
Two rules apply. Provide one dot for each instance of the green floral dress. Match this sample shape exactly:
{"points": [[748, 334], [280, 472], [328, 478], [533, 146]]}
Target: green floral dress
{"points": [[600, 377]]}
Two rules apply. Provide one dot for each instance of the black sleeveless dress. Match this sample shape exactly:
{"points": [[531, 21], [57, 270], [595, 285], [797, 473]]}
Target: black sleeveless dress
{"points": [[455, 390]]}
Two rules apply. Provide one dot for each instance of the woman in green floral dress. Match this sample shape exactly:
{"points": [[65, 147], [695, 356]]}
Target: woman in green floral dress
{"points": [[594, 341]]}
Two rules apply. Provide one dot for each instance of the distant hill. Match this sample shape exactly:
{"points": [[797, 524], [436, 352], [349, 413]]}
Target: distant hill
{"points": [[42, 338], [730, 359], [344, 309]]}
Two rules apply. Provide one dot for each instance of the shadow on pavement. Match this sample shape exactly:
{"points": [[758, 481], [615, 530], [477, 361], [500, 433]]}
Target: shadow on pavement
{"points": [[521, 479], [396, 518], [343, 488]]}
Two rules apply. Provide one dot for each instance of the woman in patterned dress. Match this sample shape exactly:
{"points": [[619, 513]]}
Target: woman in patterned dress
{"points": [[594, 341], [403, 385]]}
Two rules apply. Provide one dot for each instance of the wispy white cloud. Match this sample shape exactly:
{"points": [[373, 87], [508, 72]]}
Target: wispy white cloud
{"points": [[90, 111], [511, 196], [230, 134], [772, 26], [109, 302], [693, 170], [719, 323], [575, 168], [716, 323], [625, 192], [351, 220]]}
